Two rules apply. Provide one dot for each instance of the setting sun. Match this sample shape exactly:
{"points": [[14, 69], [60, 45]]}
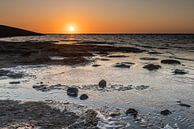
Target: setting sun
{"points": [[71, 29]]}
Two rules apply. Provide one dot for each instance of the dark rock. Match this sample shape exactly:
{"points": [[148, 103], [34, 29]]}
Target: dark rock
{"points": [[104, 59], [152, 67], [132, 112], [154, 52], [4, 72], [184, 105], [87, 121], [83, 97], [45, 88], [169, 61], [10, 74], [72, 91], [148, 58], [91, 117], [179, 71], [124, 65], [117, 56], [165, 112], [95, 65], [141, 87], [36, 114], [41, 87], [15, 75], [102, 84], [18, 82], [114, 114]]}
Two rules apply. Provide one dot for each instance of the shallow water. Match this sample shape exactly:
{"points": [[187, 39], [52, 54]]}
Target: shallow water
{"points": [[147, 91]]}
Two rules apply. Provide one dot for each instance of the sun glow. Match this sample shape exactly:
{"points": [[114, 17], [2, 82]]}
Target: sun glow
{"points": [[71, 29]]}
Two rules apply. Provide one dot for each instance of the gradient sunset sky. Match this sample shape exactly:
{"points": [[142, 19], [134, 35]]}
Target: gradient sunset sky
{"points": [[100, 16]]}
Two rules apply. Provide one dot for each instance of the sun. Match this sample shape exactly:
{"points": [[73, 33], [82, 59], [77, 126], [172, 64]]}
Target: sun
{"points": [[71, 29]]}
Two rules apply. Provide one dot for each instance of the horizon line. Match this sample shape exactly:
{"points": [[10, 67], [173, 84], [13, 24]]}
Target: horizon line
{"points": [[163, 33]]}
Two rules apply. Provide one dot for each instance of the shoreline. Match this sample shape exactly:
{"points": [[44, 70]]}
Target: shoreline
{"points": [[81, 65]]}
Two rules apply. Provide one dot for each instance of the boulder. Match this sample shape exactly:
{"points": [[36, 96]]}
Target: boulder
{"points": [[95, 65], [154, 52], [72, 91], [148, 58], [185, 105], [132, 112], [16, 82], [102, 84], [152, 67], [165, 112], [114, 114], [124, 65], [169, 61], [179, 71], [83, 97]]}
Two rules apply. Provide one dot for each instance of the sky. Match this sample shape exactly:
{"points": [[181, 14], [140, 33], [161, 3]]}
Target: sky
{"points": [[99, 16]]}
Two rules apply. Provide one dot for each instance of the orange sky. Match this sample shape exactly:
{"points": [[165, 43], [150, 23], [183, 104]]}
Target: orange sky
{"points": [[100, 16]]}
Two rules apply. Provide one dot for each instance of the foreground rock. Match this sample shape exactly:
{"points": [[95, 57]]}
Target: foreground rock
{"points": [[102, 84], [88, 121], [83, 97], [132, 112], [72, 91], [114, 114], [180, 71], [45, 88], [117, 56], [183, 104], [10, 74], [124, 65], [154, 53], [169, 61], [152, 67], [35, 114], [148, 58], [165, 112], [16, 82], [95, 65]]}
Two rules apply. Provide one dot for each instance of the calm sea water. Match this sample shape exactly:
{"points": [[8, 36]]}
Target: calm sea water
{"points": [[170, 41]]}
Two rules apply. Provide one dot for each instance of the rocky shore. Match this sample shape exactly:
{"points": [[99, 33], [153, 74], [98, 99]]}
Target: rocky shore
{"points": [[139, 80]]}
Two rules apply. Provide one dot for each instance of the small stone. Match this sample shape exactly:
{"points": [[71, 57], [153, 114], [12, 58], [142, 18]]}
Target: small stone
{"points": [[18, 82], [83, 97], [154, 52], [72, 91], [114, 114], [165, 112], [95, 65], [184, 105], [148, 58], [169, 61], [102, 84], [104, 59], [132, 112], [179, 71], [152, 67], [117, 56], [124, 65]]}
